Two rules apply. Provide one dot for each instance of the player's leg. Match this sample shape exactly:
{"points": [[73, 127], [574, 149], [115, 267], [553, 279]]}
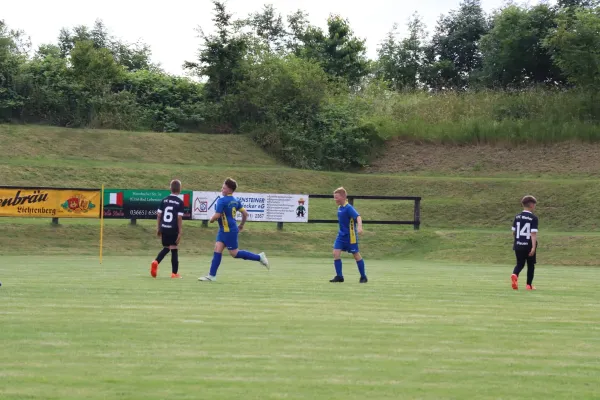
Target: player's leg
{"points": [[360, 263], [216, 261], [161, 255], [530, 272], [217, 257], [232, 246], [521, 257], [174, 261], [338, 246]]}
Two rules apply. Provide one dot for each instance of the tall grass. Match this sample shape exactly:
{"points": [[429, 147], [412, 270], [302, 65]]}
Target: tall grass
{"points": [[533, 116]]}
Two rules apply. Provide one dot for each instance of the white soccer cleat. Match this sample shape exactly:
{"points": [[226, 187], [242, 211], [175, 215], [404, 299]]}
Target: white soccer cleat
{"points": [[207, 278], [264, 260]]}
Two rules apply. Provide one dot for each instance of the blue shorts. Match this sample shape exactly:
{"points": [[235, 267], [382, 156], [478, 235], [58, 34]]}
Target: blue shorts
{"points": [[345, 245], [229, 238]]}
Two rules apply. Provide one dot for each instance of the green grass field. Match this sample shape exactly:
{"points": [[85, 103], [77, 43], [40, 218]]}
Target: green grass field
{"points": [[72, 329], [437, 319]]}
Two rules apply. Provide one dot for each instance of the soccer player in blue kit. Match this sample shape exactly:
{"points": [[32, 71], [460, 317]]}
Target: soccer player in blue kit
{"points": [[225, 212], [350, 223]]}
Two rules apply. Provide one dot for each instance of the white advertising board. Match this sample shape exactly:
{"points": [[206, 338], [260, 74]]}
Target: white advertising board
{"points": [[260, 206]]}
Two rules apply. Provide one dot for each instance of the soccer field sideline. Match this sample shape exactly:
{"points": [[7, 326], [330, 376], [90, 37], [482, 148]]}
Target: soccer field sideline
{"points": [[73, 329]]}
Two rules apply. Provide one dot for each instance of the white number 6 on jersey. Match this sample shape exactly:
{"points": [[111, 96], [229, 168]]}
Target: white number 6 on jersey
{"points": [[168, 217]]}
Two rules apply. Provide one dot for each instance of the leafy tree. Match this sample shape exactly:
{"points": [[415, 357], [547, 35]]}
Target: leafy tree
{"points": [[454, 50], [339, 52], [53, 96], [297, 28], [14, 46], [289, 108], [281, 88], [167, 103], [220, 56], [400, 63], [563, 4], [131, 56], [513, 50], [95, 68], [268, 26], [575, 47]]}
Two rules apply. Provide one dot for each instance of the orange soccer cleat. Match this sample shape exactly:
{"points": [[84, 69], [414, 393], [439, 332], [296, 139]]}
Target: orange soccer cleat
{"points": [[176, 276], [514, 278], [154, 268]]}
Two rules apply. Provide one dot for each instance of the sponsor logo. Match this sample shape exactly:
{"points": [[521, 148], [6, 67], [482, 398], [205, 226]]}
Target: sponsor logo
{"points": [[201, 205], [78, 204]]}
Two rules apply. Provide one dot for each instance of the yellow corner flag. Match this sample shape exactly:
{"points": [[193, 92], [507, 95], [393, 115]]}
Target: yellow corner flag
{"points": [[101, 222]]}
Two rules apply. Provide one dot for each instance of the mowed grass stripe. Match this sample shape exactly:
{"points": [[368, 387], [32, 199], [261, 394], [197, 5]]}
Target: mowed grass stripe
{"points": [[81, 237], [74, 329]]}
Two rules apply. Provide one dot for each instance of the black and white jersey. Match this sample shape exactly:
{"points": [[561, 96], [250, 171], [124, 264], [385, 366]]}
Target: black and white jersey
{"points": [[523, 226], [170, 208]]}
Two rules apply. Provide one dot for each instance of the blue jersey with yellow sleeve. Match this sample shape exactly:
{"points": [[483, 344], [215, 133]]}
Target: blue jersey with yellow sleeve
{"points": [[228, 206], [347, 216]]}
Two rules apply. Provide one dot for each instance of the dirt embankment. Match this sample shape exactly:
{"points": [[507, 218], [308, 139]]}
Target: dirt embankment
{"points": [[564, 159]]}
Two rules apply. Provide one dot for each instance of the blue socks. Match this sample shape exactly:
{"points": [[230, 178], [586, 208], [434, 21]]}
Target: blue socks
{"points": [[361, 267], [246, 255], [216, 261], [360, 264], [217, 257], [338, 267]]}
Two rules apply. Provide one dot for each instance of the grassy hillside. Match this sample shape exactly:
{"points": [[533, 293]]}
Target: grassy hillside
{"points": [[462, 209], [561, 160], [498, 117]]}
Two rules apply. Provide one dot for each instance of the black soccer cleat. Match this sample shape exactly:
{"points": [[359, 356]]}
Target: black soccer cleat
{"points": [[337, 279], [363, 279]]}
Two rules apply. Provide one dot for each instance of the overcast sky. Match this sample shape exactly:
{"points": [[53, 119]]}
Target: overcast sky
{"points": [[169, 26]]}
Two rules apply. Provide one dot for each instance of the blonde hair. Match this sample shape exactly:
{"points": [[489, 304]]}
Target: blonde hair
{"points": [[176, 186], [528, 200], [341, 190]]}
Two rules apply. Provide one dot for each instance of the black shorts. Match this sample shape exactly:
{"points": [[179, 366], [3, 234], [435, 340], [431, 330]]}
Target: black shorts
{"points": [[169, 238], [523, 257]]}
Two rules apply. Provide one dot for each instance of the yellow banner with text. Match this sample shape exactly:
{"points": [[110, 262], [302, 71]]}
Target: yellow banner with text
{"points": [[50, 203]]}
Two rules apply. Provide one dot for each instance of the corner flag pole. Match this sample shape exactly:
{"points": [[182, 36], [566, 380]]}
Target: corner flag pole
{"points": [[101, 222]]}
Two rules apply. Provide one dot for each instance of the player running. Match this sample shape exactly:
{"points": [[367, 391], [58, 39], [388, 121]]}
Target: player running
{"points": [[225, 212], [350, 223], [525, 229], [169, 218]]}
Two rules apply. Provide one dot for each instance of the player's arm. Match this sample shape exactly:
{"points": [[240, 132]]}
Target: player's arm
{"points": [[356, 216], [359, 226], [179, 225], [158, 219], [244, 219], [533, 243], [218, 211], [534, 232], [514, 228]]}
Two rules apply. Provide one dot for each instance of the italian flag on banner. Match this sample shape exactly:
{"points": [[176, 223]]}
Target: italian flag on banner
{"points": [[186, 199], [113, 199]]}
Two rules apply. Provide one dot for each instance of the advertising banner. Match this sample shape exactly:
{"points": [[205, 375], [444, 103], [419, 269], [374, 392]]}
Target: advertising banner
{"points": [[261, 207], [140, 204], [50, 203]]}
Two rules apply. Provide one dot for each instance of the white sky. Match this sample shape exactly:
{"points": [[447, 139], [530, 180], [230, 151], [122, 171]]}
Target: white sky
{"points": [[169, 26]]}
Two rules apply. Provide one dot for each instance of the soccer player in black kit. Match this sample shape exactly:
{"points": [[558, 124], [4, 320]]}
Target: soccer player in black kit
{"points": [[525, 229], [169, 217]]}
